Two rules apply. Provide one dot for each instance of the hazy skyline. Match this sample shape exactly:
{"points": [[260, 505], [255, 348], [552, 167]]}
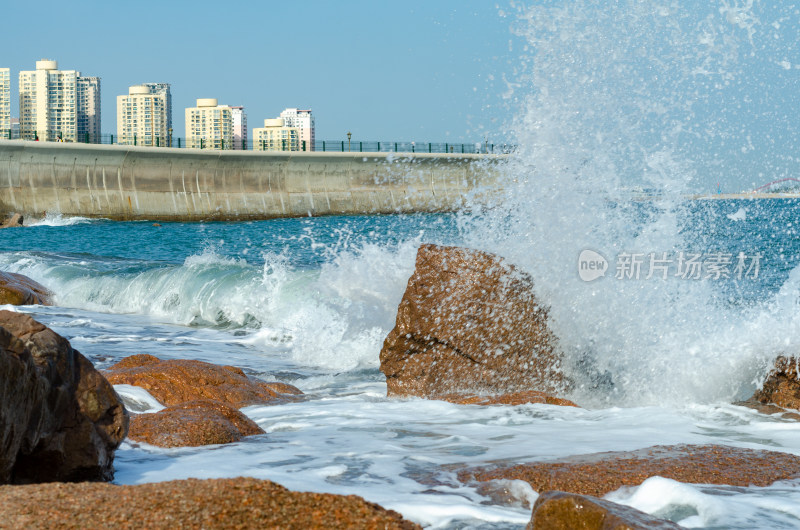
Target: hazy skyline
{"points": [[410, 71]]}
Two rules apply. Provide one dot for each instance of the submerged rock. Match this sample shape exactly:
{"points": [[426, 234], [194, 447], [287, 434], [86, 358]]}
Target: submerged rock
{"points": [[60, 420], [16, 289], [601, 473], [193, 423], [176, 381], [469, 323], [192, 503], [557, 509], [782, 386]]}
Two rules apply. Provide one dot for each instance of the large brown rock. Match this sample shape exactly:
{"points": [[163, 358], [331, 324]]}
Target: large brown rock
{"points": [[193, 423], [557, 510], [469, 323], [16, 289], [601, 473], [782, 386], [176, 381], [192, 503], [60, 420]]}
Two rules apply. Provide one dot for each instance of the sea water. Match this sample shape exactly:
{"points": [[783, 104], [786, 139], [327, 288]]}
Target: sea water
{"points": [[309, 302], [624, 109]]}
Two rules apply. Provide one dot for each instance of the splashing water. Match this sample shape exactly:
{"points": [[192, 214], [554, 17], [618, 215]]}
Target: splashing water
{"points": [[621, 101]]}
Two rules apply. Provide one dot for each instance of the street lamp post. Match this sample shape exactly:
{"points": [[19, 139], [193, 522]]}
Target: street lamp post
{"points": [[349, 134]]}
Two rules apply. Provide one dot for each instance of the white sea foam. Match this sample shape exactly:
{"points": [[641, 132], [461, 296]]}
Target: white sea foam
{"points": [[51, 219], [738, 215], [698, 506], [137, 399]]}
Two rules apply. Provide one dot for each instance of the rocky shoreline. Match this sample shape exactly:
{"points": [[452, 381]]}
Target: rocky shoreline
{"points": [[469, 330]]}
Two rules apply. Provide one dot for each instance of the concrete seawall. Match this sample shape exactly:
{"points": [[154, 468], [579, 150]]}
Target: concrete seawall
{"points": [[128, 183]]}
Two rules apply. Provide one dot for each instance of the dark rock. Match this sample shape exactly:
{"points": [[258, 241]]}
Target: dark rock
{"points": [[782, 386], [60, 420], [16, 289], [13, 221], [556, 510], [192, 423], [210, 504], [469, 323], [176, 381], [601, 473]]}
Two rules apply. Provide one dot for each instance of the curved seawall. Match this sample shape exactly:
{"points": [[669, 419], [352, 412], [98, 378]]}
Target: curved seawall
{"points": [[127, 183]]}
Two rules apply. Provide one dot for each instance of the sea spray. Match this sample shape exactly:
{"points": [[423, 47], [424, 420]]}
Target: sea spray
{"points": [[624, 109]]}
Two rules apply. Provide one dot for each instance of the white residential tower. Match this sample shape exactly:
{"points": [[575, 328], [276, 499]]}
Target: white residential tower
{"points": [[303, 120], [55, 105], [5, 103], [142, 117], [209, 125]]}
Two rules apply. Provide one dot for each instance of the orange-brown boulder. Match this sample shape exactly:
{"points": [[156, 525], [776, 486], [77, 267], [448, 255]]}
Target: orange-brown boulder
{"points": [[192, 423], [555, 510], [211, 504], [16, 289], [60, 420], [469, 323], [175, 381], [782, 386], [601, 473]]}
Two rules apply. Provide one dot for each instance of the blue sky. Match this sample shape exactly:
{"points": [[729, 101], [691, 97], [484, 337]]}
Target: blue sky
{"points": [[412, 70]]}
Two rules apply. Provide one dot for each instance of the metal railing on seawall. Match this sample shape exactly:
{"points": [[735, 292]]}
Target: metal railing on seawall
{"points": [[337, 146]]}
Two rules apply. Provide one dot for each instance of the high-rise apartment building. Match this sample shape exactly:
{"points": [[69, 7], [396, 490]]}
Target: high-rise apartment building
{"points": [[209, 125], [163, 89], [54, 105], [5, 103], [304, 121], [142, 117], [88, 95], [239, 128], [276, 136]]}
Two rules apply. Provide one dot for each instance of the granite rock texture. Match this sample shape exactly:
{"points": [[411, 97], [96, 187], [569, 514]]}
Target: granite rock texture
{"points": [[60, 420]]}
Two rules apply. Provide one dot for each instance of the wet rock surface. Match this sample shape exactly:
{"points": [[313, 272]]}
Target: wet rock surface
{"points": [[173, 382], [60, 420], [192, 423], [782, 386], [211, 504], [601, 473], [16, 289], [469, 323], [559, 510], [514, 398]]}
